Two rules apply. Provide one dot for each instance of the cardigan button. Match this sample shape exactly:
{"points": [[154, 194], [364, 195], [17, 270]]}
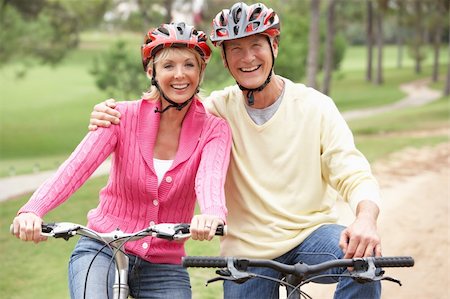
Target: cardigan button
{"points": [[145, 245], [169, 179], [155, 202]]}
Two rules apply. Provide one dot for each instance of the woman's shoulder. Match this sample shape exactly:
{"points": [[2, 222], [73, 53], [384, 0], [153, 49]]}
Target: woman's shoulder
{"points": [[130, 106]]}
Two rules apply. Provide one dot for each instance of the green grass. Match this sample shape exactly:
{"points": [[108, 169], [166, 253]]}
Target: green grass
{"points": [[355, 58], [350, 90], [26, 165], [42, 114], [372, 140]]}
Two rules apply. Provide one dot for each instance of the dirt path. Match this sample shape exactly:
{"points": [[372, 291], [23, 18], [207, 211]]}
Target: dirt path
{"points": [[417, 92], [414, 221]]}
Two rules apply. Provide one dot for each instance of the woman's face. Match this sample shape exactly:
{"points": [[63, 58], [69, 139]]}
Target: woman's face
{"points": [[178, 73]]}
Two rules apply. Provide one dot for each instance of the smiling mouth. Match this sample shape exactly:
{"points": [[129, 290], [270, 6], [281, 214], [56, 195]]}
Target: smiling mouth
{"points": [[179, 86], [250, 69]]}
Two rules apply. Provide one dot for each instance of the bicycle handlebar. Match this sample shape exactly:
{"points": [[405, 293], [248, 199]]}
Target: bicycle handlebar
{"points": [[243, 263], [235, 269], [168, 231]]}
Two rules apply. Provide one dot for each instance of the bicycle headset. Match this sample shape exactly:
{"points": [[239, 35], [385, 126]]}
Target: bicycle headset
{"points": [[243, 20], [173, 35]]}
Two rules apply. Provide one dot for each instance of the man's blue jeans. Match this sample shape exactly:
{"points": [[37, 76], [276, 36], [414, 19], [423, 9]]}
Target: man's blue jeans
{"points": [[322, 245], [146, 280]]}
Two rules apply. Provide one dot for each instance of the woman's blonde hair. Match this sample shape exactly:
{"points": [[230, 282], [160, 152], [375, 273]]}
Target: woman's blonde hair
{"points": [[153, 93]]}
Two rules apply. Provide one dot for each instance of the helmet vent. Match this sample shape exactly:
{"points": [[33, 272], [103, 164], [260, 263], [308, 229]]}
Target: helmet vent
{"points": [[271, 19], [255, 14], [236, 30], [163, 30], [237, 15], [222, 20]]}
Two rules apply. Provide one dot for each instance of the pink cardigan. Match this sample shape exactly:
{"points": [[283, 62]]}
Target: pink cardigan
{"points": [[132, 200]]}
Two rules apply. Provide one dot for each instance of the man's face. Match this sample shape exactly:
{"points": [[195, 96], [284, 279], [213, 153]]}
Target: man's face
{"points": [[249, 59]]}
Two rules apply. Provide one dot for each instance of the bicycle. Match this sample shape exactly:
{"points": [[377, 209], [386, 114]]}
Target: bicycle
{"points": [[115, 240], [295, 276]]}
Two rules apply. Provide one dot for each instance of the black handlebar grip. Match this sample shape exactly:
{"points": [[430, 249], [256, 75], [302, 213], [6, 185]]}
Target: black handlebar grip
{"points": [[221, 230], [204, 262], [394, 261]]}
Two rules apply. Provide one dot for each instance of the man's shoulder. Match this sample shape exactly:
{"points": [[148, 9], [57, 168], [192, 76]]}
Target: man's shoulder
{"points": [[227, 93], [220, 102]]}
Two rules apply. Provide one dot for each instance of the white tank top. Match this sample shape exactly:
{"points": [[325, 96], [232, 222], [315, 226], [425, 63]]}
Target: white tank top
{"points": [[161, 167]]}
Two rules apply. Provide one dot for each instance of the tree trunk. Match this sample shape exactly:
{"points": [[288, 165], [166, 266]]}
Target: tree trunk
{"points": [[314, 39], [380, 43], [168, 6], [436, 47], [400, 32], [329, 47], [419, 38], [144, 13], [447, 84], [369, 31]]}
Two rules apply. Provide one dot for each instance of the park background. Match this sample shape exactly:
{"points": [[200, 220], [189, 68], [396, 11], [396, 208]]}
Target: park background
{"points": [[58, 58]]}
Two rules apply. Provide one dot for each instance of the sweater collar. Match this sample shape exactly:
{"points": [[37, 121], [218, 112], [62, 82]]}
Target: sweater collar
{"points": [[191, 129]]}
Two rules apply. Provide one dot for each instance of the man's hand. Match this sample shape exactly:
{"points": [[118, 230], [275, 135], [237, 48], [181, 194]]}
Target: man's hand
{"points": [[360, 239], [203, 227], [104, 115]]}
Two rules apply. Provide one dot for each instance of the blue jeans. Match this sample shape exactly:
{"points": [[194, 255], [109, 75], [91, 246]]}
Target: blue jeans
{"points": [[322, 245], [145, 279]]}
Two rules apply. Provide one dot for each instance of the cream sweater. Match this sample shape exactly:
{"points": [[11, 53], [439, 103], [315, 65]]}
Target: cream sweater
{"points": [[284, 174]]}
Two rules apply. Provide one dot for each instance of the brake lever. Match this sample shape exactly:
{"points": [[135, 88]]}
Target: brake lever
{"points": [[231, 273], [64, 230], [367, 272], [169, 231]]}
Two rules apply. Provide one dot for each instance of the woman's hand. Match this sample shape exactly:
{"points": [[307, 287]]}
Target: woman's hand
{"points": [[203, 227], [27, 227], [104, 115]]}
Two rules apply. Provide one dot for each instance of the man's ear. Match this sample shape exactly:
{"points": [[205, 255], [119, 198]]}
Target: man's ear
{"points": [[275, 46], [224, 60]]}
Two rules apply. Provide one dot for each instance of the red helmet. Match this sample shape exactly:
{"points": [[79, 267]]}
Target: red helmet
{"points": [[242, 20], [174, 35]]}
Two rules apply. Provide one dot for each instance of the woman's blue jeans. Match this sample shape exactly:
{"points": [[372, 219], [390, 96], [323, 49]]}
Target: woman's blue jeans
{"points": [[145, 279], [322, 245]]}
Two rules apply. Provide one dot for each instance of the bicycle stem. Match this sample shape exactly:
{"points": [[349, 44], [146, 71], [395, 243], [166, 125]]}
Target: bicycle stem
{"points": [[120, 286]]}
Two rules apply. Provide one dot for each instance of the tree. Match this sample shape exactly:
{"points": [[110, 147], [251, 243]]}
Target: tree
{"points": [[44, 30], [329, 47], [369, 41], [291, 60], [400, 31], [313, 44], [438, 14], [381, 10], [416, 47], [447, 81], [119, 73]]}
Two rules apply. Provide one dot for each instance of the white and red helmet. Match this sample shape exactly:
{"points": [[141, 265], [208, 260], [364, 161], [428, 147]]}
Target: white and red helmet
{"points": [[243, 20]]}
